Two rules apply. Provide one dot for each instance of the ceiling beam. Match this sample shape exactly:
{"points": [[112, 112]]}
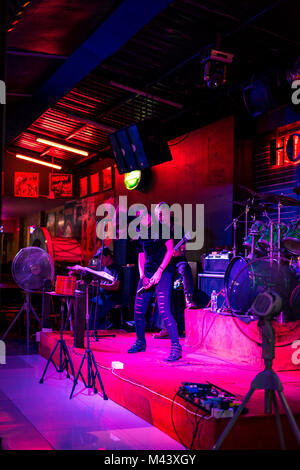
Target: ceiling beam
{"points": [[89, 122], [147, 95], [112, 34], [20, 95], [42, 55]]}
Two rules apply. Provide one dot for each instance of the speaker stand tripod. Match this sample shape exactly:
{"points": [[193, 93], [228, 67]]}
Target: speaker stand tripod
{"points": [[27, 308], [65, 361], [92, 368], [268, 381]]}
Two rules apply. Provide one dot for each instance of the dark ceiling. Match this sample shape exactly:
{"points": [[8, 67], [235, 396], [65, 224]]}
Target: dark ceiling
{"points": [[157, 73]]}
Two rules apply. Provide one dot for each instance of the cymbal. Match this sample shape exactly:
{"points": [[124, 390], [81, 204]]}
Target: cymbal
{"points": [[280, 198], [238, 203], [253, 193], [259, 207], [297, 190], [262, 207]]}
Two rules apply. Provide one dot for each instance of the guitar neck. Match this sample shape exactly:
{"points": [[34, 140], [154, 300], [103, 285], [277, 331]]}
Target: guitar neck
{"points": [[179, 244]]}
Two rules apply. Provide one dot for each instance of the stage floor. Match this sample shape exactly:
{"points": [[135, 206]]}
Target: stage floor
{"points": [[147, 386]]}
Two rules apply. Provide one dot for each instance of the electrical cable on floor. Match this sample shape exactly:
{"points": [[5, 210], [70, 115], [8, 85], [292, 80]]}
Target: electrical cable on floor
{"points": [[143, 387]]}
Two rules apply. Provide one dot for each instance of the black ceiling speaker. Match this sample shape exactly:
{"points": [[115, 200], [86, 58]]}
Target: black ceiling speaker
{"points": [[139, 146]]}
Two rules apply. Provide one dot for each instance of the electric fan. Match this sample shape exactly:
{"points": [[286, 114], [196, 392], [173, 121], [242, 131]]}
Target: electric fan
{"points": [[33, 271]]}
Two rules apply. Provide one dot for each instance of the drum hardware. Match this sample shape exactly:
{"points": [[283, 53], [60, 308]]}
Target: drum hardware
{"points": [[278, 231], [271, 242], [279, 199], [259, 207], [253, 193], [245, 279], [291, 240], [254, 272], [234, 224], [256, 232]]}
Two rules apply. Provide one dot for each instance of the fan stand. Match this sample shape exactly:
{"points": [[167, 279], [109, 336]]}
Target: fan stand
{"points": [[27, 308]]}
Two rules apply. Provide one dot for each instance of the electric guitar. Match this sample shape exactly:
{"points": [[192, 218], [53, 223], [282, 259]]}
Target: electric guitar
{"points": [[188, 236]]}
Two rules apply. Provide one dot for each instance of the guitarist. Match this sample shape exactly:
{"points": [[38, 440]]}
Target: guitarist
{"points": [[179, 262]]}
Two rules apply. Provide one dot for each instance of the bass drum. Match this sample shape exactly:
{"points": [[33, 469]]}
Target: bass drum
{"points": [[245, 279], [235, 266]]}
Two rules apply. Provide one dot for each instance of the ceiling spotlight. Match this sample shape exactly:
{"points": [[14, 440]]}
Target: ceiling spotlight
{"points": [[215, 70], [51, 143]]}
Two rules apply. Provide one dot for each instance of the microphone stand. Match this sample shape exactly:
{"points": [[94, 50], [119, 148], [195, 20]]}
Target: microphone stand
{"points": [[92, 368]]}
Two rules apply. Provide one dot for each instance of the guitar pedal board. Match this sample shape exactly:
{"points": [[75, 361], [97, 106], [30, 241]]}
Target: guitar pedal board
{"points": [[210, 398]]}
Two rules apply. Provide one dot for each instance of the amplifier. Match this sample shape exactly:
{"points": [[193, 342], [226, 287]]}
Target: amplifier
{"points": [[216, 262]]}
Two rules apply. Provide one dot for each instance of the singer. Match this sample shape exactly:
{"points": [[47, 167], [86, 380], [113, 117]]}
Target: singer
{"points": [[156, 272]]}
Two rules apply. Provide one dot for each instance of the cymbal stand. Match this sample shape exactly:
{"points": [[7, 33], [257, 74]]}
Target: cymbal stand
{"points": [[234, 224], [251, 254], [271, 242], [246, 227], [234, 237], [278, 231]]}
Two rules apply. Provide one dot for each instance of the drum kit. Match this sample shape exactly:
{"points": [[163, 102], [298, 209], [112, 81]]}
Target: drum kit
{"points": [[271, 254]]}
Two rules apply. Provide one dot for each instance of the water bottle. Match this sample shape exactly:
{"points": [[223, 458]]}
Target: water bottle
{"points": [[214, 301]]}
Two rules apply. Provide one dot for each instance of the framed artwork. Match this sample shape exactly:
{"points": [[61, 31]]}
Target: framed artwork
{"points": [[83, 182], [60, 185], [94, 183], [107, 178], [26, 184]]}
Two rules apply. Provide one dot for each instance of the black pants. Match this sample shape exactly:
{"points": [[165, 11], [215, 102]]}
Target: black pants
{"points": [[163, 292]]}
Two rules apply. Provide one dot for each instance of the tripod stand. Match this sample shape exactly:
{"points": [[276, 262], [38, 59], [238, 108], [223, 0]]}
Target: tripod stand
{"points": [[268, 381], [27, 308], [92, 368], [65, 361]]}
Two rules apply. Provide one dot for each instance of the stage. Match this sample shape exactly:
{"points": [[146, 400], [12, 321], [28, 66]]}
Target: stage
{"points": [[147, 385]]}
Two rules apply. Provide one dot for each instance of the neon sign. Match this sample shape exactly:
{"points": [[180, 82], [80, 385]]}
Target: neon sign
{"points": [[285, 150]]}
